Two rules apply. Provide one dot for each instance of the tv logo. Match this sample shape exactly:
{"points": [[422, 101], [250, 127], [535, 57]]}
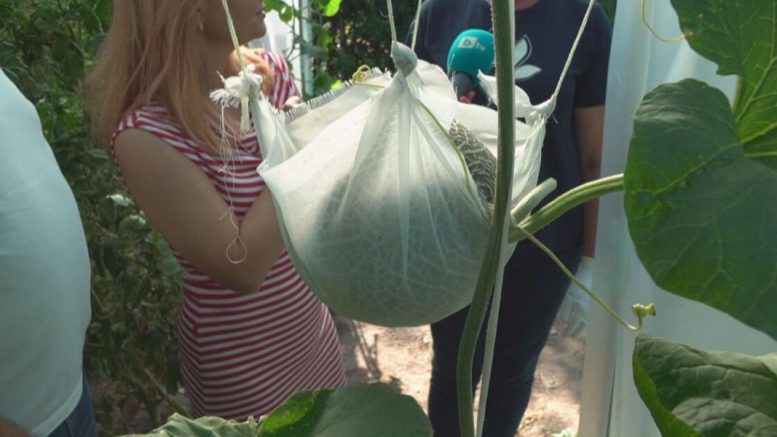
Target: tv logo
{"points": [[471, 42]]}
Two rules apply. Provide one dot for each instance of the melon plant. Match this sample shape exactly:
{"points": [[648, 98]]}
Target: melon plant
{"points": [[700, 190]]}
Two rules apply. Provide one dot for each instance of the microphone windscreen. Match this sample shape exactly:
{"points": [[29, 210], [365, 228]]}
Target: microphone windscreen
{"points": [[471, 51]]}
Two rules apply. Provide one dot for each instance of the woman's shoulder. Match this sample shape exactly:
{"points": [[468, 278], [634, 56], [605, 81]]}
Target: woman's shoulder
{"points": [[156, 120], [147, 116]]}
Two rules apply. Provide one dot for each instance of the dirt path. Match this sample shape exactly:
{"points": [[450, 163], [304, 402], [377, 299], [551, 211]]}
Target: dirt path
{"points": [[399, 358]]}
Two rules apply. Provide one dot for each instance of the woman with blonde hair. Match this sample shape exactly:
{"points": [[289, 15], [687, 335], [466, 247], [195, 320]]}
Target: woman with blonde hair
{"points": [[251, 332]]}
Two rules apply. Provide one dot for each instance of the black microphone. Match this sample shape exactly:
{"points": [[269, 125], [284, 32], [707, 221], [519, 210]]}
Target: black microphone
{"points": [[471, 51]]}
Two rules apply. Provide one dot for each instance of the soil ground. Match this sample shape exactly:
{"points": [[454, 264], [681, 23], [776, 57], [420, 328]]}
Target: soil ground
{"points": [[400, 359]]}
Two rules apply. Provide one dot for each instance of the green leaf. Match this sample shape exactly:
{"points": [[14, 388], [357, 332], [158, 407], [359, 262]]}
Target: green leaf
{"points": [[700, 213], [273, 5], [166, 261], [695, 393], [180, 426], [133, 223], [107, 211], [330, 7], [741, 37], [286, 13], [347, 411]]}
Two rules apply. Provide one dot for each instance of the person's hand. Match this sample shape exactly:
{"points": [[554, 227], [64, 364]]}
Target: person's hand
{"points": [[10, 429], [250, 56], [253, 57], [292, 103], [574, 308], [467, 97]]}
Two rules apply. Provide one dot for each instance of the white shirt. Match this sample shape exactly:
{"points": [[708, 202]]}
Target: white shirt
{"points": [[44, 275]]}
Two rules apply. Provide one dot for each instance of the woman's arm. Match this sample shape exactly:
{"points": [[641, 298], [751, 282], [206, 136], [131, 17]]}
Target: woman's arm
{"points": [[182, 203], [589, 129], [10, 429]]}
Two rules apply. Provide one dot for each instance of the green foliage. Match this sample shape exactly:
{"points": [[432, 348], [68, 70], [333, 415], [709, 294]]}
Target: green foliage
{"points": [[359, 35], [694, 393], [741, 37], [346, 35], [180, 426], [328, 8], [347, 411], [701, 214], [45, 48], [701, 190]]}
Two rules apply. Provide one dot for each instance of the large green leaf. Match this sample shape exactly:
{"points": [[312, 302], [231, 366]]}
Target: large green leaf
{"points": [[348, 411], [695, 393], [741, 37], [180, 426], [702, 216]]}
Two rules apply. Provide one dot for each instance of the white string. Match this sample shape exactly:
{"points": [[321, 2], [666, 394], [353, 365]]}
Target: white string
{"points": [[415, 25], [237, 241], [574, 48], [228, 160], [236, 92], [391, 21]]}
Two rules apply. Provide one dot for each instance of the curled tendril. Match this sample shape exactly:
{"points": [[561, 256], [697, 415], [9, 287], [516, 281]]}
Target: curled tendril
{"points": [[640, 311], [647, 24], [362, 74]]}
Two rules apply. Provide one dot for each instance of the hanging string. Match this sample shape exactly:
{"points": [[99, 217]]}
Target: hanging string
{"points": [[647, 24], [415, 24], [237, 92], [391, 21], [237, 241]]}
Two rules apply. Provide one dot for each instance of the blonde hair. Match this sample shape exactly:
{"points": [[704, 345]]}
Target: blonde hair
{"points": [[153, 53]]}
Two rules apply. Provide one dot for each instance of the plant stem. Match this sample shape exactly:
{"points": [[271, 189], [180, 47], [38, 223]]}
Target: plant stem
{"points": [[563, 203], [526, 205], [168, 398], [503, 45], [233, 35], [638, 313]]}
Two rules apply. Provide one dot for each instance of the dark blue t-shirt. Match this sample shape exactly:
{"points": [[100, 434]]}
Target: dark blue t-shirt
{"points": [[544, 35]]}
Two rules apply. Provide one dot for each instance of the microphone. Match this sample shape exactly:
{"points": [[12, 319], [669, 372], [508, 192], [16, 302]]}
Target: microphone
{"points": [[471, 51]]}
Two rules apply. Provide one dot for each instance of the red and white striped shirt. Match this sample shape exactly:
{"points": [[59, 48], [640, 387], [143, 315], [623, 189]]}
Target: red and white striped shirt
{"points": [[242, 355]]}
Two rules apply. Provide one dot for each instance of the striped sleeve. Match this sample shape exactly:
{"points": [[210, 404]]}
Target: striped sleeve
{"points": [[284, 86]]}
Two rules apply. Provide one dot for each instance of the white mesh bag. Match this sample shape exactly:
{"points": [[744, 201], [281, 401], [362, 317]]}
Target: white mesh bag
{"points": [[376, 202]]}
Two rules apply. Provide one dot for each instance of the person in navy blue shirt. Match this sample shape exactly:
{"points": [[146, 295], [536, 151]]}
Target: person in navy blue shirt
{"points": [[534, 287]]}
